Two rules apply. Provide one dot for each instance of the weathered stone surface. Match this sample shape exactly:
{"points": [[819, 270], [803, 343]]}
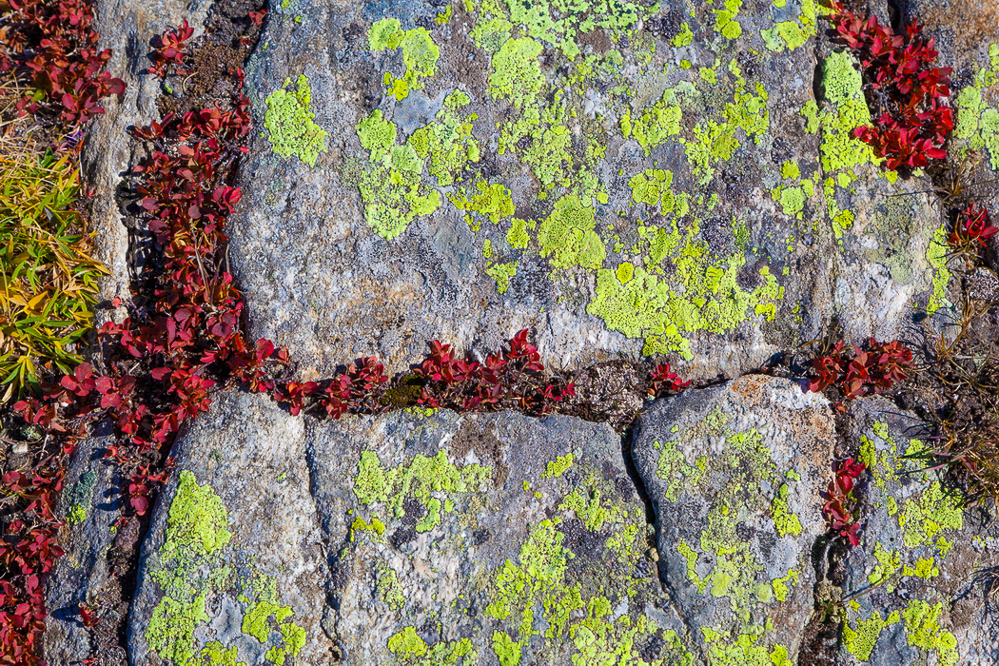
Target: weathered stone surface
{"points": [[401, 539], [915, 587], [625, 178], [734, 473]]}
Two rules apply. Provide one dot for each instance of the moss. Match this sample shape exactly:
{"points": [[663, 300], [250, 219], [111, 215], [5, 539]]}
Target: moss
{"points": [[568, 236], [289, 122], [419, 54]]}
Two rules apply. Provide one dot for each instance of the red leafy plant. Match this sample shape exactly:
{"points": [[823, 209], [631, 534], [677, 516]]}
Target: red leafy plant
{"points": [[54, 45], [666, 382], [972, 229], [913, 120], [168, 51], [856, 372], [840, 508]]}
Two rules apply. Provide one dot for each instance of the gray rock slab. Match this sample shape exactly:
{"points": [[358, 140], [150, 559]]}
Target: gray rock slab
{"points": [[735, 474], [404, 538], [916, 585], [627, 181]]}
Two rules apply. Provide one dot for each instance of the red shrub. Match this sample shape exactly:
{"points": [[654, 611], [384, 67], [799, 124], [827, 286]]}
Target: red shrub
{"points": [[841, 503]]}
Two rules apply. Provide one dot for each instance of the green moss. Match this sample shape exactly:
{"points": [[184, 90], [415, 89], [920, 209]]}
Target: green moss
{"points": [[423, 478], [924, 518], [388, 587], [289, 122], [196, 532], [568, 236]]}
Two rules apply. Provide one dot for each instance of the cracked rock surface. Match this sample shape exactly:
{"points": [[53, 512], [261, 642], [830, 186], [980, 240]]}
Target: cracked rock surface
{"points": [[628, 179]]}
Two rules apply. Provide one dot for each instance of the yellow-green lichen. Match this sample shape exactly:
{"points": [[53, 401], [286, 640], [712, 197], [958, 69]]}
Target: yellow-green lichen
{"points": [[391, 188], [784, 520], [568, 236], [502, 274], [427, 479], [977, 124], [704, 297], [558, 467], [419, 54], [860, 636], [290, 125], [792, 34], [725, 22], [652, 187], [516, 73], [655, 124], [936, 254]]}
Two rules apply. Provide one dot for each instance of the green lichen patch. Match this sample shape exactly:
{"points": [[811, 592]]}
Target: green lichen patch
{"points": [[429, 480], [189, 568], [290, 125], [977, 126], [568, 236], [419, 54]]}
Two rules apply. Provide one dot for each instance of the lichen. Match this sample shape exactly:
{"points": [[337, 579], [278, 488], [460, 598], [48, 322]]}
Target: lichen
{"points": [[419, 54], [567, 235], [655, 124], [427, 479], [977, 124], [290, 125], [516, 73]]}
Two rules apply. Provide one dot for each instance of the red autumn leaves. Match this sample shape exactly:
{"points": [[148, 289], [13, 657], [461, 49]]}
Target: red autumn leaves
{"points": [[841, 503], [856, 372], [914, 122]]}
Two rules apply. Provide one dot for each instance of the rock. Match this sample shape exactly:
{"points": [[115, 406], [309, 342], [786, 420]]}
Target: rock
{"points": [[917, 588], [383, 539], [735, 474], [632, 182]]}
